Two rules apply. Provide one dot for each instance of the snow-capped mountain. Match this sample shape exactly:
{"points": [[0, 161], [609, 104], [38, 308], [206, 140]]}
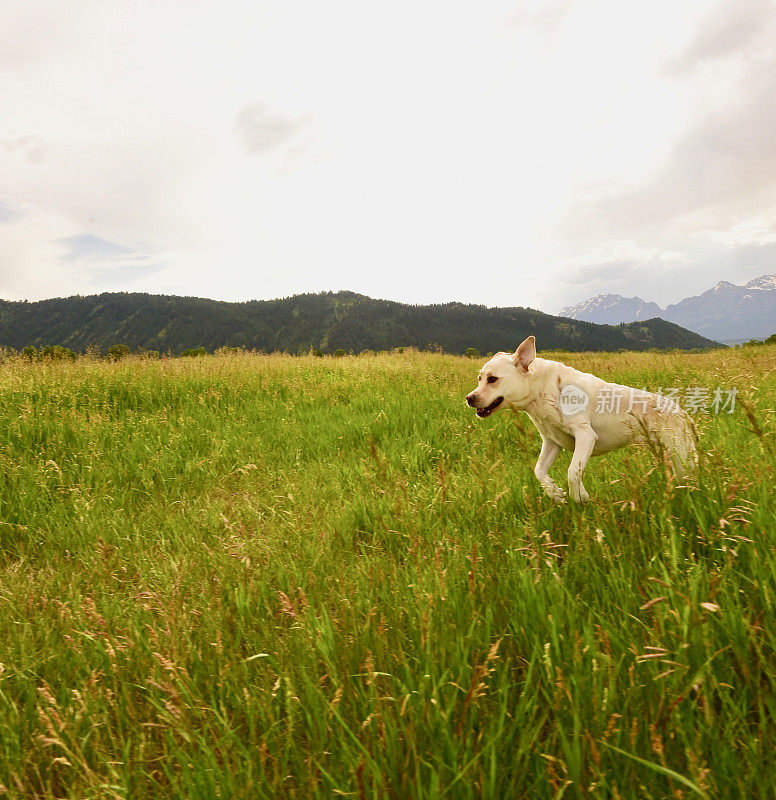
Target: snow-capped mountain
{"points": [[763, 282], [611, 309], [726, 312]]}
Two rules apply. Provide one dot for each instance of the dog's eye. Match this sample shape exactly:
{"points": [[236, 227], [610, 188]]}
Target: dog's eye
{"points": [[492, 378]]}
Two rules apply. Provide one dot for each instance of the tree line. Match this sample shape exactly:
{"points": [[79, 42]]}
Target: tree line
{"points": [[324, 322]]}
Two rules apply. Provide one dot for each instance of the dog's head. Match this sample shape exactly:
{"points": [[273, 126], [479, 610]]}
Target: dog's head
{"points": [[503, 380]]}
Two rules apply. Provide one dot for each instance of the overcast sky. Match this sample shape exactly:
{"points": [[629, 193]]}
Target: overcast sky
{"points": [[506, 153]]}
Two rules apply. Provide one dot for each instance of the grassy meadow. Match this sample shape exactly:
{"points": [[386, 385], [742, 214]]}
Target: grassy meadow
{"points": [[246, 576]]}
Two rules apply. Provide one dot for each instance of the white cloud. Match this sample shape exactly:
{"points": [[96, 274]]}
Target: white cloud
{"points": [[260, 132], [423, 152], [729, 31]]}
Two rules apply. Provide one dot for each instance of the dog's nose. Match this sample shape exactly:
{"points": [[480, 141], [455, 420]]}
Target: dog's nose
{"points": [[470, 399]]}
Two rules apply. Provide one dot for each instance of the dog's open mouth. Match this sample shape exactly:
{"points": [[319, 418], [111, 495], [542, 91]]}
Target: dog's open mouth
{"points": [[488, 410]]}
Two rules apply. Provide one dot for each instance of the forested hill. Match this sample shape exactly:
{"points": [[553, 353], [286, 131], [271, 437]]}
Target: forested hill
{"points": [[326, 321]]}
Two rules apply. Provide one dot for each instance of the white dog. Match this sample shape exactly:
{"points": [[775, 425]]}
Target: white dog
{"points": [[579, 412]]}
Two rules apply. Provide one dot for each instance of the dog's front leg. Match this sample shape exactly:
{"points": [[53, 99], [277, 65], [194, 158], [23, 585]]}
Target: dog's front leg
{"points": [[584, 442], [547, 458]]}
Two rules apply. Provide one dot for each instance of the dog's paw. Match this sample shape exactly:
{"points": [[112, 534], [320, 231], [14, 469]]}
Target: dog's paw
{"points": [[581, 496], [557, 494]]}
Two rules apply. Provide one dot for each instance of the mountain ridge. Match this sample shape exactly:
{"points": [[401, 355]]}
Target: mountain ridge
{"points": [[326, 321], [725, 312]]}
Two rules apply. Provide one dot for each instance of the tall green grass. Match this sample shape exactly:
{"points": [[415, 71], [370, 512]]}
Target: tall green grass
{"points": [[265, 576]]}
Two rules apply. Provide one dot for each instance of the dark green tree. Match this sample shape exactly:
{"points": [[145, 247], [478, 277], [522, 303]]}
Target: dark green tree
{"points": [[118, 351]]}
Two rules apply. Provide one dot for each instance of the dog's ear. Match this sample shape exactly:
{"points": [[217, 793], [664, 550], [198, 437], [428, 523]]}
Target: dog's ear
{"points": [[525, 354]]}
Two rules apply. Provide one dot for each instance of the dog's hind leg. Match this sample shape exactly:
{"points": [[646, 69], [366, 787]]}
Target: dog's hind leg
{"points": [[680, 439], [547, 458]]}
